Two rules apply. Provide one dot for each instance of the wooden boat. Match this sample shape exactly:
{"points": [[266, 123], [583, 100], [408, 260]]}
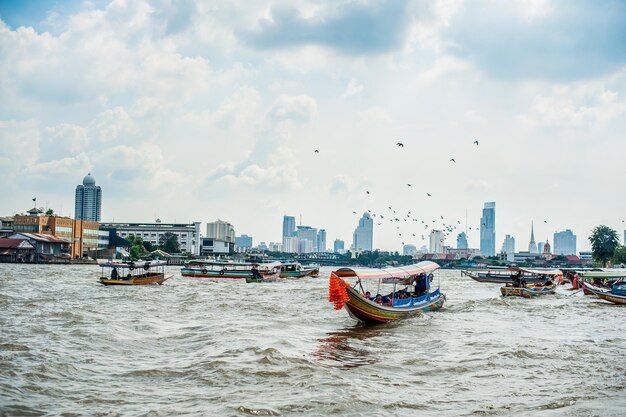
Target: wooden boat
{"points": [[503, 276], [604, 279], [133, 273], [550, 278], [353, 297], [531, 290], [615, 295], [229, 270]]}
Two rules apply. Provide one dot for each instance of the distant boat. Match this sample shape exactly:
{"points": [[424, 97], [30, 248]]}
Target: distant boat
{"points": [[532, 290], [501, 276], [297, 270], [397, 304], [230, 270], [133, 273]]}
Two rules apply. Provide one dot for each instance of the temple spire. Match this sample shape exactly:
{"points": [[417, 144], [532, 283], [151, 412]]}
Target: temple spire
{"points": [[532, 246]]}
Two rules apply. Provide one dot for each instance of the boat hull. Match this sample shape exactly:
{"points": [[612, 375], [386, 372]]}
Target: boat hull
{"points": [[605, 295], [202, 273], [369, 312], [151, 280], [526, 292]]}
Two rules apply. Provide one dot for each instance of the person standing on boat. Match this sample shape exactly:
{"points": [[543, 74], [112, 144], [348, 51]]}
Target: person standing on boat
{"points": [[114, 273], [255, 272]]}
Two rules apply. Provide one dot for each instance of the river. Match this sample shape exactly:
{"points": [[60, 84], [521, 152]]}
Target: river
{"points": [[70, 346]]}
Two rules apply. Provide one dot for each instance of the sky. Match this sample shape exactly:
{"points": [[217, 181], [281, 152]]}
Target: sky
{"points": [[197, 111]]}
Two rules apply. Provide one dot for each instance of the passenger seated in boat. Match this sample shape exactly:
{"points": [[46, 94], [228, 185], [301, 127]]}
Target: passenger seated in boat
{"points": [[368, 295], [548, 283], [378, 299]]}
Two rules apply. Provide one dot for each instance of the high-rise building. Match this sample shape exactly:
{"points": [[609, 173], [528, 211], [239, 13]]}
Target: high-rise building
{"points": [[321, 240], [488, 230], [289, 228], [88, 201], [338, 246], [437, 241], [290, 244], [243, 242], [540, 247], [220, 230], [461, 241], [363, 236], [508, 247], [564, 243], [307, 239], [532, 246], [409, 250]]}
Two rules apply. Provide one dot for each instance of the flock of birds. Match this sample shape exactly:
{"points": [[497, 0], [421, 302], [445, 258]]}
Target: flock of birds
{"points": [[446, 228]]}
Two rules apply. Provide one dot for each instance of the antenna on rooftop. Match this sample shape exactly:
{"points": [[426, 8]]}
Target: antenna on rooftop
{"points": [[300, 219]]}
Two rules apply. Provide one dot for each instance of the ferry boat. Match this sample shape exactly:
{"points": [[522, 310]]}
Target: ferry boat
{"points": [[294, 269], [393, 306], [616, 294], [506, 275], [133, 273], [230, 270]]}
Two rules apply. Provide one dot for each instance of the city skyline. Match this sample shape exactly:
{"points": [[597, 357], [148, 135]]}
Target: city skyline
{"points": [[218, 112]]}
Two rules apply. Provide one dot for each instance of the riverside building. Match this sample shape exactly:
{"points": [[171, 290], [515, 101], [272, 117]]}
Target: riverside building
{"points": [[188, 234], [488, 230]]}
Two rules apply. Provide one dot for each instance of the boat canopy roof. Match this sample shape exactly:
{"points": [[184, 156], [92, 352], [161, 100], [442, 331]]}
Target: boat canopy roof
{"points": [[138, 264], [536, 271], [397, 272], [606, 273]]}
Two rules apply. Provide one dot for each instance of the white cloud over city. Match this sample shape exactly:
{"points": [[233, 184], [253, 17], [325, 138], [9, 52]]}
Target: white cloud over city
{"points": [[194, 111]]}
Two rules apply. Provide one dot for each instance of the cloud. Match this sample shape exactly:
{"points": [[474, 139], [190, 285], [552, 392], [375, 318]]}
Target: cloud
{"points": [[19, 146], [563, 41], [69, 168], [299, 109], [111, 124], [353, 28], [353, 88], [583, 104], [62, 140]]}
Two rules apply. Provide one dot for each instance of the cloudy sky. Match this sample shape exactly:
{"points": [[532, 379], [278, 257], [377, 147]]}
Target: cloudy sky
{"points": [[194, 111]]}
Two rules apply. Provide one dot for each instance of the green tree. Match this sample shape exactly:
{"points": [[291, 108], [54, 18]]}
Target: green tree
{"points": [[619, 256], [604, 241], [49, 212], [135, 252], [169, 242]]}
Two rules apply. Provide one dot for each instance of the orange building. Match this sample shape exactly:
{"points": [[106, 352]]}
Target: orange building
{"points": [[82, 235]]}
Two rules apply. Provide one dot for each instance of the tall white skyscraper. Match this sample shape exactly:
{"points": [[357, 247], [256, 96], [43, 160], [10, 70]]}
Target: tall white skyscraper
{"points": [[88, 201], [307, 239], [363, 236], [564, 243], [488, 230], [437, 241], [508, 247]]}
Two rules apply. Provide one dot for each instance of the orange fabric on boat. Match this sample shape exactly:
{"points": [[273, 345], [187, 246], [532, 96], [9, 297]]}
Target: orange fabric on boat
{"points": [[337, 293]]}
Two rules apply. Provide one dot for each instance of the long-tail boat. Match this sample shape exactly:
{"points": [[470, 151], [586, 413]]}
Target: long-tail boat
{"points": [[504, 276], [230, 270], [397, 305], [616, 294], [604, 279], [133, 273], [550, 279]]}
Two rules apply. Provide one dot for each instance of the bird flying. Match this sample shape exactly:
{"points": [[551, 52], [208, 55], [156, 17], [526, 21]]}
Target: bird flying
{"points": [[367, 192], [409, 185], [400, 145], [476, 142], [316, 151], [452, 160], [428, 194]]}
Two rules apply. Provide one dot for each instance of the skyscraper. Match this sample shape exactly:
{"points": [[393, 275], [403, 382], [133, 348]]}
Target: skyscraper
{"points": [[220, 230], [321, 240], [409, 250], [88, 202], [508, 247], [338, 246], [363, 236], [461, 241], [488, 230], [532, 246], [307, 239], [564, 243], [437, 241], [289, 227]]}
